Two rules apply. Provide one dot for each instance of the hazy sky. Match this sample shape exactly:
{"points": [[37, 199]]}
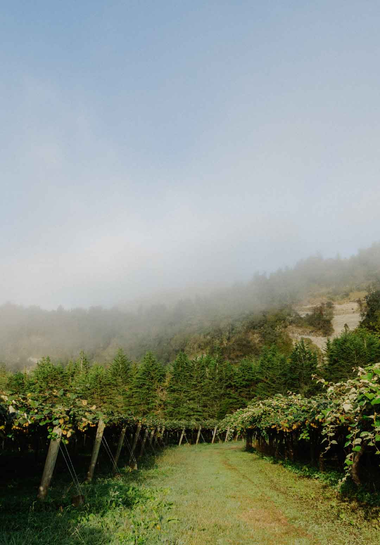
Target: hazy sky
{"points": [[155, 144]]}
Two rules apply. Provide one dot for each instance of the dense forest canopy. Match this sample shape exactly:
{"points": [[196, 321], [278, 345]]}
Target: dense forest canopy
{"points": [[237, 321]]}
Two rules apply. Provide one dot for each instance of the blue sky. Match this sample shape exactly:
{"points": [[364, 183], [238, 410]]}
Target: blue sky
{"points": [[157, 145]]}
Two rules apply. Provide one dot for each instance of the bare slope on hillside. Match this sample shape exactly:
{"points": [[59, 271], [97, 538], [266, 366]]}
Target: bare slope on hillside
{"points": [[344, 314]]}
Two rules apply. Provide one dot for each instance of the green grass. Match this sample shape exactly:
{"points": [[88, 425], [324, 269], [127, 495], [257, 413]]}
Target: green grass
{"points": [[367, 494], [207, 494]]}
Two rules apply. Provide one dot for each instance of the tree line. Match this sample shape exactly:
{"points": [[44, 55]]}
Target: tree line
{"points": [[207, 386]]}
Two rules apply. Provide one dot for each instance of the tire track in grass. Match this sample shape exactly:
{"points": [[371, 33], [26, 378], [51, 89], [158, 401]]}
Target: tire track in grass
{"points": [[262, 513], [308, 504], [221, 495]]}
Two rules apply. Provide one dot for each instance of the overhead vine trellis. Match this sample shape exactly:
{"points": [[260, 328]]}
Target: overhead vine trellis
{"points": [[61, 415], [345, 420]]}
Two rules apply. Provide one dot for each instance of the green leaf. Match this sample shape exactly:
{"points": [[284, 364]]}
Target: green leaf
{"points": [[357, 448], [375, 401]]}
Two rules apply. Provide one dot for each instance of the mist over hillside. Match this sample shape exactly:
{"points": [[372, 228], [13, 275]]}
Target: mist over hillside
{"points": [[237, 320]]}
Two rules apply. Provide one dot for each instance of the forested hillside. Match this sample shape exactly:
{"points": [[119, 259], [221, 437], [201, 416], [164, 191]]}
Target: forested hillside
{"points": [[209, 386], [234, 322]]}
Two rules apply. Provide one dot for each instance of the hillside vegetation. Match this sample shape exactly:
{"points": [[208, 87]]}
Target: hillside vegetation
{"points": [[236, 322]]}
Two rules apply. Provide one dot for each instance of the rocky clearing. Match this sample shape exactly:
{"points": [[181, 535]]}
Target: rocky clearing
{"points": [[344, 314]]}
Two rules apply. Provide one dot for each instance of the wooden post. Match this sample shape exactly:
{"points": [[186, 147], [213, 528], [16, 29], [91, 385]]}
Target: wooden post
{"points": [[120, 446], [214, 434], [160, 436], [198, 435], [157, 436], [227, 434], [144, 441], [136, 438], [95, 450], [51, 459], [248, 439], [180, 440], [151, 437]]}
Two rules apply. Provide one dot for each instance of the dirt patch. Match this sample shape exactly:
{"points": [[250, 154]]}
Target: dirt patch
{"points": [[262, 518], [275, 525], [344, 314]]}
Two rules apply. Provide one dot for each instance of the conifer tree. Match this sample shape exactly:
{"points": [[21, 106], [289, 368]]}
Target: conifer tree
{"points": [[371, 312], [72, 371], [229, 398], [271, 373], [120, 376], [246, 379], [100, 390], [47, 376], [302, 366], [120, 368], [147, 387], [352, 349], [178, 401], [198, 402], [84, 363]]}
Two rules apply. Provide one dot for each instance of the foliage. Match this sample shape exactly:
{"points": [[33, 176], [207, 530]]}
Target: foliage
{"points": [[354, 404], [303, 363], [321, 318], [371, 311], [147, 386], [351, 406], [351, 350]]}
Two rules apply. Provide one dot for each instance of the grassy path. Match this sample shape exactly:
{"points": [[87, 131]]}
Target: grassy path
{"points": [[223, 495], [191, 495]]}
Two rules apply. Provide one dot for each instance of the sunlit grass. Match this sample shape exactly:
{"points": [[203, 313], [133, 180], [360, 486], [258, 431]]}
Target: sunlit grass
{"points": [[216, 494]]}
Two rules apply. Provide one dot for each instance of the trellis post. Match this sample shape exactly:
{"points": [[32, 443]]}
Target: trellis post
{"points": [[214, 434], [136, 438], [248, 439], [95, 450], [51, 459], [198, 435], [227, 434], [120, 445], [151, 437], [157, 436], [144, 441]]}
